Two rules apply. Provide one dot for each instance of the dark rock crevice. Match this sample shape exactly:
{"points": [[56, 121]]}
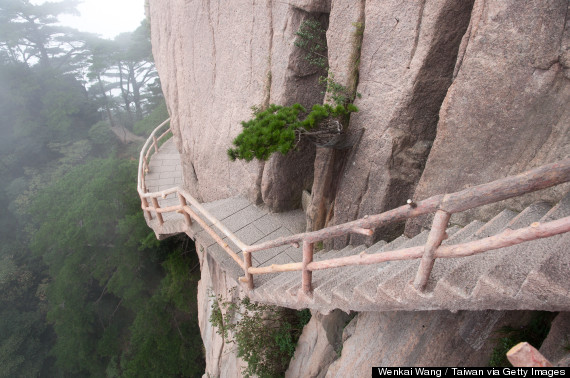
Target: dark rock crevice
{"points": [[346, 18], [396, 142], [285, 177]]}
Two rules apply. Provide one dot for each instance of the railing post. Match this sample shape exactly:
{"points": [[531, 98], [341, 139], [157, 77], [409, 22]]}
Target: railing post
{"points": [[145, 206], [435, 237], [525, 355], [248, 275], [158, 215], [307, 274], [155, 143], [186, 215]]}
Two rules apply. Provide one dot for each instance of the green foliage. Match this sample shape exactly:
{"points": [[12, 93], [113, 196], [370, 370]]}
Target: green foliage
{"points": [[164, 342], [22, 350], [337, 93], [265, 336], [30, 32], [163, 345], [534, 333], [311, 37], [102, 137], [278, 128], [113, 308], [155, 118], [67, 307]]}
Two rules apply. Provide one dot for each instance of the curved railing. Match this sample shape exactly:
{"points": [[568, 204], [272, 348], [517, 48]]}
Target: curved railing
{"points": [[443, 205]]}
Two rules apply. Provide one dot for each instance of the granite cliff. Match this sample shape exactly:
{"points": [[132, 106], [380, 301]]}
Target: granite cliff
{"points": [[454, 94]]}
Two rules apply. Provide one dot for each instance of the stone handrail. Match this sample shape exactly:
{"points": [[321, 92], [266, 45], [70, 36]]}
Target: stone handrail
{"points": [[443, 205]]}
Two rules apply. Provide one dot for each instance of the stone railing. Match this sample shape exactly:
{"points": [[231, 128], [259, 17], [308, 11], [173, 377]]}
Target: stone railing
{"points": [[443, 205]]}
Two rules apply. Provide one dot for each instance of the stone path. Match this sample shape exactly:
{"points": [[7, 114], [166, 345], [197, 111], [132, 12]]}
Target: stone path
{"points": [[251, 223], [531, 275], [165, 168]]}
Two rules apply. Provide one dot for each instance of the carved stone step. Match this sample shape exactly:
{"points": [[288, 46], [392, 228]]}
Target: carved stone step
{"points": [[343, 291], [374, 287], [321, 276], [462, 278], [548, 287], [323, 292], [500, 284]]}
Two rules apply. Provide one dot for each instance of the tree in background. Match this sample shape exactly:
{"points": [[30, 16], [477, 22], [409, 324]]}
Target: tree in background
{"points": [[125, 65], [29, 34], [81, 275], [110, 306], [136, 66]]}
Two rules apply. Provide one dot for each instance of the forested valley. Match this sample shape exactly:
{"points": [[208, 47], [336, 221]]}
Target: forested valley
{"points": [[85, 287]]}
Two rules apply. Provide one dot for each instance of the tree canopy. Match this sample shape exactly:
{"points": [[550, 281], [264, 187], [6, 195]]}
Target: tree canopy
{"points": [[29, 33], [81, 274]]}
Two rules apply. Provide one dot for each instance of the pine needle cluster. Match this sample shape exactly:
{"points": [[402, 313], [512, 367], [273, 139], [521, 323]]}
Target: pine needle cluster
{"points": [[279, 128]]}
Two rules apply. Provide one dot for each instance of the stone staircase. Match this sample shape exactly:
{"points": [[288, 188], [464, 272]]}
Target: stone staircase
{"points": [[532, 275]]}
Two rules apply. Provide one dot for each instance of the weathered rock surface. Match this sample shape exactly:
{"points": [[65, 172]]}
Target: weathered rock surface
{"points": [[507, 109], [344, 37], [555, 346], [216, 60], [317, 6], [221, 358], [505, 112], [422, 338], [406, 65], [318, 345]]}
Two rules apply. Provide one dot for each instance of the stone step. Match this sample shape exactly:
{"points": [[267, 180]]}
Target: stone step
{"points": [[547, 287], [496, 224], [443, 266], [267, 289], [517, 277], [533, 213], [323, 292], [375, 287], [560, 210], [321, 276], [428, 298], [281, 291], [501, 283], [400, 286], [343, 289], [464, 272]]}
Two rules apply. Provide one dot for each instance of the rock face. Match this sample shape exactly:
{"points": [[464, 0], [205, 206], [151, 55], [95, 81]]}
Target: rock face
{"points": [[507, 109], [480, 86], [318, 346], [344, 38], [406, 65], [422, 338], [555, 346], [221, 358], [216, 60]]}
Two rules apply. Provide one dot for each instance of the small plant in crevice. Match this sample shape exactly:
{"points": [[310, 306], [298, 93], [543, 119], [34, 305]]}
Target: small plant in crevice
{"points": [[338, 348], [265, 336], [337, 93], [358, 35], [311, 38]]}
